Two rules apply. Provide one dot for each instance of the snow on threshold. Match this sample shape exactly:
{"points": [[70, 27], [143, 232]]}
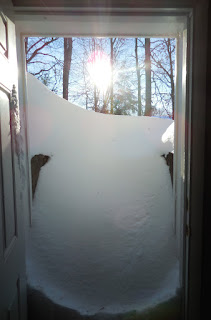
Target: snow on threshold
{"points": [[102, 231]]}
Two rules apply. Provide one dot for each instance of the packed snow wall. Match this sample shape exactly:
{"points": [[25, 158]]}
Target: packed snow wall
{"points": [[102, 235]]}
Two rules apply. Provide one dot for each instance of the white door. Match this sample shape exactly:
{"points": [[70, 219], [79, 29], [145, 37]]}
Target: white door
{"points": [[12, 254]]}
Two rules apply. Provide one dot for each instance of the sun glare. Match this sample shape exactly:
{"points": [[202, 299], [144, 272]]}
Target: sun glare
{"points": [[99, 68]]}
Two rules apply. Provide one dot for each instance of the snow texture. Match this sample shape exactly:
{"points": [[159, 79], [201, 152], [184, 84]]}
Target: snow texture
{"points": [[102, 231], [168, 138]]}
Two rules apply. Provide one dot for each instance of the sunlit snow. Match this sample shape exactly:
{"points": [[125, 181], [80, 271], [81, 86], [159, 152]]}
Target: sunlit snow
{"points": [[102, 231]]}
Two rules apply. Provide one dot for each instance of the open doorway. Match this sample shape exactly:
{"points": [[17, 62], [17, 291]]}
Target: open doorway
{"points": [[124, 220]]}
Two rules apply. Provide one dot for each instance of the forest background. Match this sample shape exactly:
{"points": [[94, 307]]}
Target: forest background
{"points": [[122, 76]]}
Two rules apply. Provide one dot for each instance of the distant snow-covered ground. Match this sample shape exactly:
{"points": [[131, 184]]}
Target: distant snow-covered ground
{"points": [[102, 230]]}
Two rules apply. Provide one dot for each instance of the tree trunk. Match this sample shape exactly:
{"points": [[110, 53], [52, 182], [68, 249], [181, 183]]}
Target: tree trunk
{"points": [[68, 45], [138, 77], [171, 76], [95, 87], [148, 107], [112, 88], [26, 49]]}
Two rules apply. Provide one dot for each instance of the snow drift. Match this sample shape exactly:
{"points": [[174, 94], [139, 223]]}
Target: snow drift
{"points": [[102, 231]]}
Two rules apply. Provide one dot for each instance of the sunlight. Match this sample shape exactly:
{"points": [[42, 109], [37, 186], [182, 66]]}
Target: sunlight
{"points": [[99, 68]]}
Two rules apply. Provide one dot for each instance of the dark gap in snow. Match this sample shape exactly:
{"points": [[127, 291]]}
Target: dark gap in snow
{"points": [[37, 162], [170, 162]]}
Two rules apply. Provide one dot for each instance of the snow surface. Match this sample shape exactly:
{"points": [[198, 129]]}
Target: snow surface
{"points": [[168, 138], [102, 232]]}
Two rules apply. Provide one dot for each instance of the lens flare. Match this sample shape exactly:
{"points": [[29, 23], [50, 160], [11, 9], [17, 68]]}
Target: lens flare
{"points": [[99, 68]]}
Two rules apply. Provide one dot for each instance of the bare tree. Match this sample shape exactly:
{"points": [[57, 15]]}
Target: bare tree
{"points": [[35, 48], [138, 78], [95, 87], [112, 41], [68, 46], [148, 107], [163, 61], [43, 60], [170, 50]]}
